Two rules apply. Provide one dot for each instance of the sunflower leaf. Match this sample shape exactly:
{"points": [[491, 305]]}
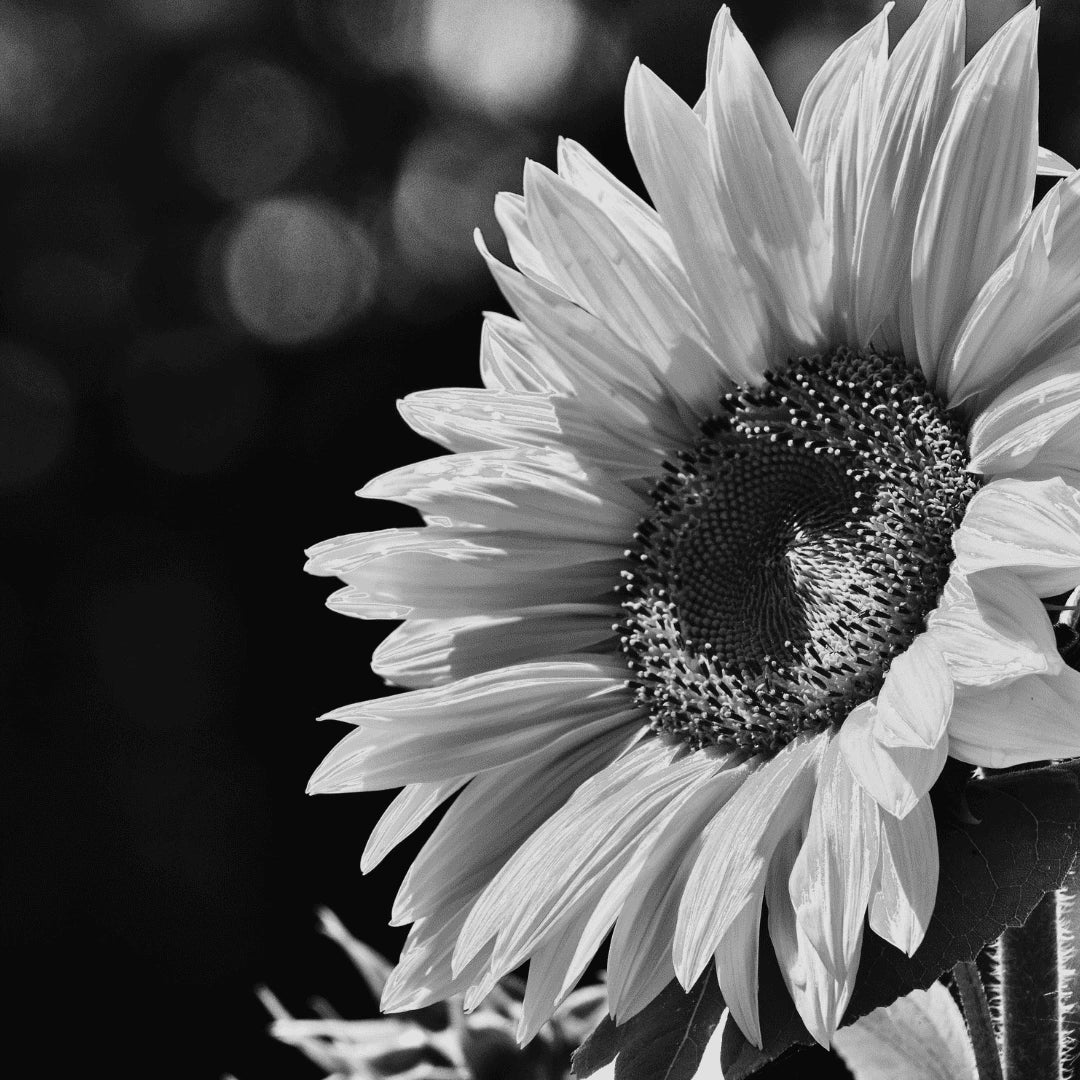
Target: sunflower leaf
{"points": [[597, 1050], [1016, 844], [664, 1041]]}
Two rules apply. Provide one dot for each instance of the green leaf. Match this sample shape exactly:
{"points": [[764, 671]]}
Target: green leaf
{"points": [[664, 1041], [597, 1050], [997, 863]]}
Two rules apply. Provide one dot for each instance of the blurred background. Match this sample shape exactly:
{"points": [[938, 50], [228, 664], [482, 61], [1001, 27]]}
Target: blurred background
{"points": [[234, 233]]}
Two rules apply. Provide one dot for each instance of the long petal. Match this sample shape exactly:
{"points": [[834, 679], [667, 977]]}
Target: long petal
{"points": [[492, 817], [440, 573], [468, 419], [1015, 429], [561, 960], [736, 961], [831, 879], [921, 73], [1028, 720], [639, 959], [618, 382], [819, 996], [992, 132], [431, 652], [768, 199], [835, 128], [671, 149], [1029, 309], [992, 629], [523, 490], [410, 808], [472, 725], [1051, 164], [1031, 527], [613, 818], [920, 1036], [897, 777], [423, 973], [640, 303], [512, 360], [905, 890], [513, 220], [914, 702], [736, 849]]}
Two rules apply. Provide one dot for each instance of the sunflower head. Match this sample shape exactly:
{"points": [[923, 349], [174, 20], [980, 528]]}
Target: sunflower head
{"points": [[793, 551], [747, 532]]}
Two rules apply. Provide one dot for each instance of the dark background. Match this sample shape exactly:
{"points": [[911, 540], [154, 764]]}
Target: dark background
{"points": [[234, 233]]}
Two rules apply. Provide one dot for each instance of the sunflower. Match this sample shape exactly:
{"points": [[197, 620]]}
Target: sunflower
{"points": [[749, 529]]}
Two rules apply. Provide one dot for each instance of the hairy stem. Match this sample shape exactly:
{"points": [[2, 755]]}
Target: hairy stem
{"points": [[1068, 928], [979, 1024], [1031, 1044]]}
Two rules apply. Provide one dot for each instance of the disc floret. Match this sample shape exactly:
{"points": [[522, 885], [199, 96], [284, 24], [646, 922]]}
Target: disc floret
{"points": [[793, 551]]}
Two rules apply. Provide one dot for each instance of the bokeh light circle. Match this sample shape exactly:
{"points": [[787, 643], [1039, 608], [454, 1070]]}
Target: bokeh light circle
{"points": [[295, 270], [35, 415], [446, 189], [502, 55], [243, 126]]}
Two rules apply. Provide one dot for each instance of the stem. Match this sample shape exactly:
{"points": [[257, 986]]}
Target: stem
{"points": [[1029, 996], [979, 1024], [1068, 930]]}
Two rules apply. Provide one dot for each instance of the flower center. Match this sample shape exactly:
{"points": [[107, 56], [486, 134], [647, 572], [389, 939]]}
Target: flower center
{"points": [[794, 551]]}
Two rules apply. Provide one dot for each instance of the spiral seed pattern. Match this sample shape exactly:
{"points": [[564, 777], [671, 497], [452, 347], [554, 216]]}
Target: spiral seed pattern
{"points": [[794, 551]]}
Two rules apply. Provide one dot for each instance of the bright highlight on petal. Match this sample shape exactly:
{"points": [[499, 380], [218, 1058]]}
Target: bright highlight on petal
{"points": [[758, 516], [921, 1036]]}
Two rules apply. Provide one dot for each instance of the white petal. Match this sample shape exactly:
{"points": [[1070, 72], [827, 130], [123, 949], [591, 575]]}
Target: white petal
{"points": [[423, 974], [613, 818], [1032, 719], [831, 879], [619, 383], [634, 215], [736, 961], [511, 359], [903, 896], [468, 419], [835, 128], [472, 725], [671, 149], [737, 847], [513, 220], [561, 960], [989, 143], [527, 490], [411, 807], [430, 652], [1029, 527], [992, 628], [819, 996], [922, 69], [766, 193], [1051, 164], [598, 266], [920, 1037], [495, 814], [1029, 308], [914, 702], [639, 959], [1014, 429], [897, 777], [437, 573]]}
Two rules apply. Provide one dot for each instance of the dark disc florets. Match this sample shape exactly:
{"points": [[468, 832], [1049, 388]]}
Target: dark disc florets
{"points": [[793, 551]]}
